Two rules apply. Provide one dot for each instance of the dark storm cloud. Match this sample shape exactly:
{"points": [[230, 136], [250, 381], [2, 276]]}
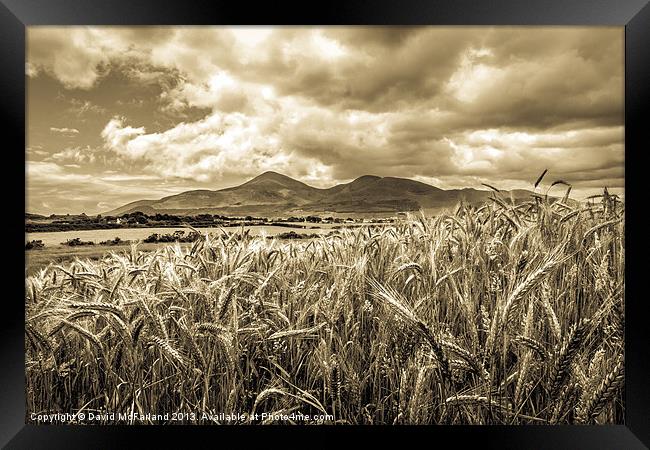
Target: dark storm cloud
{"points": [[379, 36], [377, 71]]}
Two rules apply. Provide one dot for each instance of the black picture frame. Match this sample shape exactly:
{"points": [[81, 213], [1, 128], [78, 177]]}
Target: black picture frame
{"points": [[634, 15]]}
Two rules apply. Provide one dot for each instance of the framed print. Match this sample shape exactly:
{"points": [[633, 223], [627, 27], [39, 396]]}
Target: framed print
{"points": [[392, 219]]}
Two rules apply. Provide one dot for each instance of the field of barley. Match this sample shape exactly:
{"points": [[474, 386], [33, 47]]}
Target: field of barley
{"points": [[499, 314]]}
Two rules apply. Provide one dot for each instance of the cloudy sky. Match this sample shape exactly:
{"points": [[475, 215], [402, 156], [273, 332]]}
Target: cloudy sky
{"points": [[117, 114]]}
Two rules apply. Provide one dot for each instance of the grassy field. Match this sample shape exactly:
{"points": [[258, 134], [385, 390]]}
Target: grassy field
{"points": [[39, 259], [501, 314]]}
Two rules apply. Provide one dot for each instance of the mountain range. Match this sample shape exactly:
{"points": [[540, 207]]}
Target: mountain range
{"points": [[273, 195]]}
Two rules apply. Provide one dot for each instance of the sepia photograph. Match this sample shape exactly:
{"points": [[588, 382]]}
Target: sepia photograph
{"points": [[325, 225]]}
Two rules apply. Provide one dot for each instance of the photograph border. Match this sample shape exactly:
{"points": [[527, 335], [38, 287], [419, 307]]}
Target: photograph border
{"points": [[634, 15]]}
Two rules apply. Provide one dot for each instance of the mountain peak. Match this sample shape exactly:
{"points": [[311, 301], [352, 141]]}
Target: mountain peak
{"points": [[366, 178], [270, 175], [273, 178]]}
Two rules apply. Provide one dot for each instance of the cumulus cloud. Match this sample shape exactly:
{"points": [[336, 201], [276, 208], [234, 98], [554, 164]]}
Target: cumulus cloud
{"points": [[79, 56], [64, 130], [118, 136], [72, 56], [74, 155], [222, 145], [495, 153]]}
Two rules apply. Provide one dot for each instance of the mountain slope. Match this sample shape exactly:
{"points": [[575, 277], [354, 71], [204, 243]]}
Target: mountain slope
{"points": [[131, 207], [274, 194]]}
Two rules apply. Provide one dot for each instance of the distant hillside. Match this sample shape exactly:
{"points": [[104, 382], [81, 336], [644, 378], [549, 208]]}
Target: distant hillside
{"points": [[274, 194], [140, 205]]}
